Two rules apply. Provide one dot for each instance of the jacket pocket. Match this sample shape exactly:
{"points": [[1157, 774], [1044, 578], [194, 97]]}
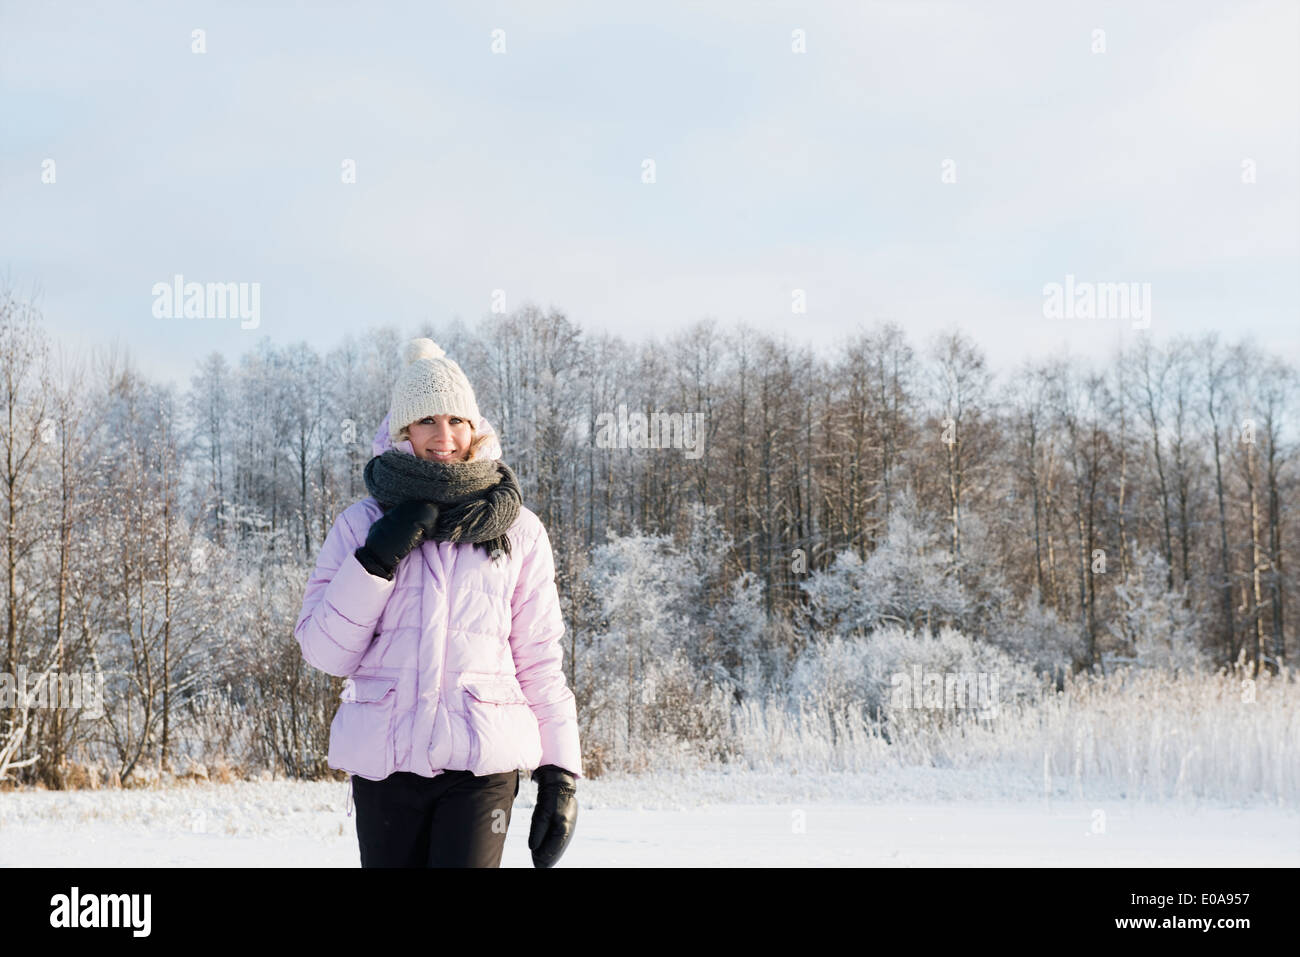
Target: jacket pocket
{"points": [[361, 735], [503, 729]]}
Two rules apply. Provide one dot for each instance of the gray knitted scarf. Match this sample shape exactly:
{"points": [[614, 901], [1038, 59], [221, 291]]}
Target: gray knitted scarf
{"points": [[477, 501]]}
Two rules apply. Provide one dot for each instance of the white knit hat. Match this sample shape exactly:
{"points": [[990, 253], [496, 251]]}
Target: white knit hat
{"points": [[429, 384]]}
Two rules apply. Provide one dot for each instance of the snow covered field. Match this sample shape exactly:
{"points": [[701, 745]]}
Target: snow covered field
{"points": [[902, 818]]}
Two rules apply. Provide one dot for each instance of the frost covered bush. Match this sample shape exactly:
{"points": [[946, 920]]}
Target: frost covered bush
{"points": [[887, 674], [831, 674], [685, 714], [1035, 635], [906, 581], [671, 716]]}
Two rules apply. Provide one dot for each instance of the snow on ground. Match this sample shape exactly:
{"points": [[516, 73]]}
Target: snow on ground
{"points": [[901, 818]]}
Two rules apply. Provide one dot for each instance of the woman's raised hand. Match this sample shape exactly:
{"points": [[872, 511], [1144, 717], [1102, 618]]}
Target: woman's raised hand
{"points": [[395, 534]]}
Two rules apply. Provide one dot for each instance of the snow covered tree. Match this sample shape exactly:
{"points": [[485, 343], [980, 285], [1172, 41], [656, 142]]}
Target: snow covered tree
{"points": [[907, 581], [1153, 621], [639, 684]]}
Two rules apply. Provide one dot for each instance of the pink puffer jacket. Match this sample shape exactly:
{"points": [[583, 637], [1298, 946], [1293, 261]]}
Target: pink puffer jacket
{"points": [[455, 664]]}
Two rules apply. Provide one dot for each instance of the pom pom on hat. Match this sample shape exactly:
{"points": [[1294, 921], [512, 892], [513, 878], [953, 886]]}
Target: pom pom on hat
{"points": [[421, 349]]}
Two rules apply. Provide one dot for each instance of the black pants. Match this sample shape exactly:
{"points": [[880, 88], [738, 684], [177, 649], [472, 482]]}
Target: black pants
{"points": [[456, 819]]}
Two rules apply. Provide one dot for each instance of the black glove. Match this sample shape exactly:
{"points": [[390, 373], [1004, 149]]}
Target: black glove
{"points": [[554, 816], [394, 535]]}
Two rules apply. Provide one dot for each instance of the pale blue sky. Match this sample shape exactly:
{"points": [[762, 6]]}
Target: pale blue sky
{"points": [[821, 171]]}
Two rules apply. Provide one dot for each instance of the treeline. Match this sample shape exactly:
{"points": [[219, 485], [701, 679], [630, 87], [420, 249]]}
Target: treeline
{"points": [[164, 538]]}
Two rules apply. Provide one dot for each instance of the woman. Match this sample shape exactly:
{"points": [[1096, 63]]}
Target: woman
{"points": [[435, 597]]}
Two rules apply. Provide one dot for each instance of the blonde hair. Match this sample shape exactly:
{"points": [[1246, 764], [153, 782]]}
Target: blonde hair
{"points": [[476, 445]]}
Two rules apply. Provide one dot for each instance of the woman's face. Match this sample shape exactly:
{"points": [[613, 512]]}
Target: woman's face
{"points": [[441, 438]]}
